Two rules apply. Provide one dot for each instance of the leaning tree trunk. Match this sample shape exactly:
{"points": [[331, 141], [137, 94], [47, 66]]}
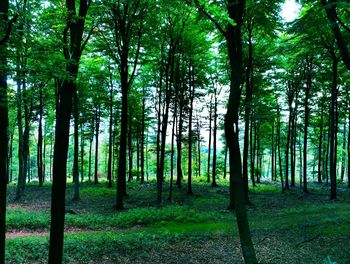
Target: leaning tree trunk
{"points": [[234, 43]]}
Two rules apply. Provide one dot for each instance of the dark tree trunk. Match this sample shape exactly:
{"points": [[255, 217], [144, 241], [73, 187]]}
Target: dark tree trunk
{"points": [[21, 171], [110, 138], [143, 126], [191, 87], [234, 44], [130, 149], [72, 52], [172, 155], [343, 163], [252, 152], [82, 153], [90, 153], [279, 148], [168, 83], [332, 141], [199, 146], [97, 126], [320, 142], [179, 175], [4, 26], [40, 139], [76, 196], [209, 144], [121, 180], [349, 145], [273, 152], [214, 184]]}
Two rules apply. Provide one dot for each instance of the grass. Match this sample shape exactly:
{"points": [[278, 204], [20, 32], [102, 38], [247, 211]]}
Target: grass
{"points": [[286, 228]]}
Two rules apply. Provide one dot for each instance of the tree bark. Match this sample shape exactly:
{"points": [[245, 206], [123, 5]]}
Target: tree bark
{"points": [[72, 52]]}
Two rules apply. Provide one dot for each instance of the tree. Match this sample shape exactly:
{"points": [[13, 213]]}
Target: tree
{"points": [[233, 37], [73, 46], [5, 28]]}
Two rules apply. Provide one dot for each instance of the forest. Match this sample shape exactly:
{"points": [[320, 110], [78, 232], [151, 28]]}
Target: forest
{"points": [[174, 131]]}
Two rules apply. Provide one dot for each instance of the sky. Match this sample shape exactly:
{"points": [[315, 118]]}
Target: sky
{"points": [[290, 10]]}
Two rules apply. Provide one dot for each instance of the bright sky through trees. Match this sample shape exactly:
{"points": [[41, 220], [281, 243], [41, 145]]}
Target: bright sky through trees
{"points": [[290, 10]]}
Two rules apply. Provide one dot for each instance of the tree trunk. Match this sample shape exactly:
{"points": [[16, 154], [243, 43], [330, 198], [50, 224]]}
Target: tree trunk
{"points": [[130, 149], [179, 174], [306, 120], [143, 137], [349, 145], [191, 87], [332, 143], [4, 24], [97, 126], [172, 155], [279, 148], [214, 184], [76, 196], [320, 142], [343, 163], [72, 52], [110, 138], [234, 44], [209, 144], [40, 139]]}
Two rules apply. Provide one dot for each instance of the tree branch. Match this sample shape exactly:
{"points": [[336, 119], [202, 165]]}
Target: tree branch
{"points": [[216, 23], [87, 38], [9, 29]]}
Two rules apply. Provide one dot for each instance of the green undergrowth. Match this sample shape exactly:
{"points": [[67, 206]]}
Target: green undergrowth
{"points": [[117, 245], [27, 219]]}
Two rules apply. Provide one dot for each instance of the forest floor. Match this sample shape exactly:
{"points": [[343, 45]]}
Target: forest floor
{"points": [[286, 228]]}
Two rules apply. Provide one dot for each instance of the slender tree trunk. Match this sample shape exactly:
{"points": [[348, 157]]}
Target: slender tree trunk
{"points": [[214, 184], [179, 174], [21, 172], [40, 139], [90, 153], [306, 120], [191, 87], [273, 152], [172, 155], [143, 137], [349, 145], [110, 138], [343, 163], [320, 142], [130, 149], [252, 153], [279, 148], [199, 146], [209, 144], [82, 144], [97, 126], [332, 143], [76, 196]]}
